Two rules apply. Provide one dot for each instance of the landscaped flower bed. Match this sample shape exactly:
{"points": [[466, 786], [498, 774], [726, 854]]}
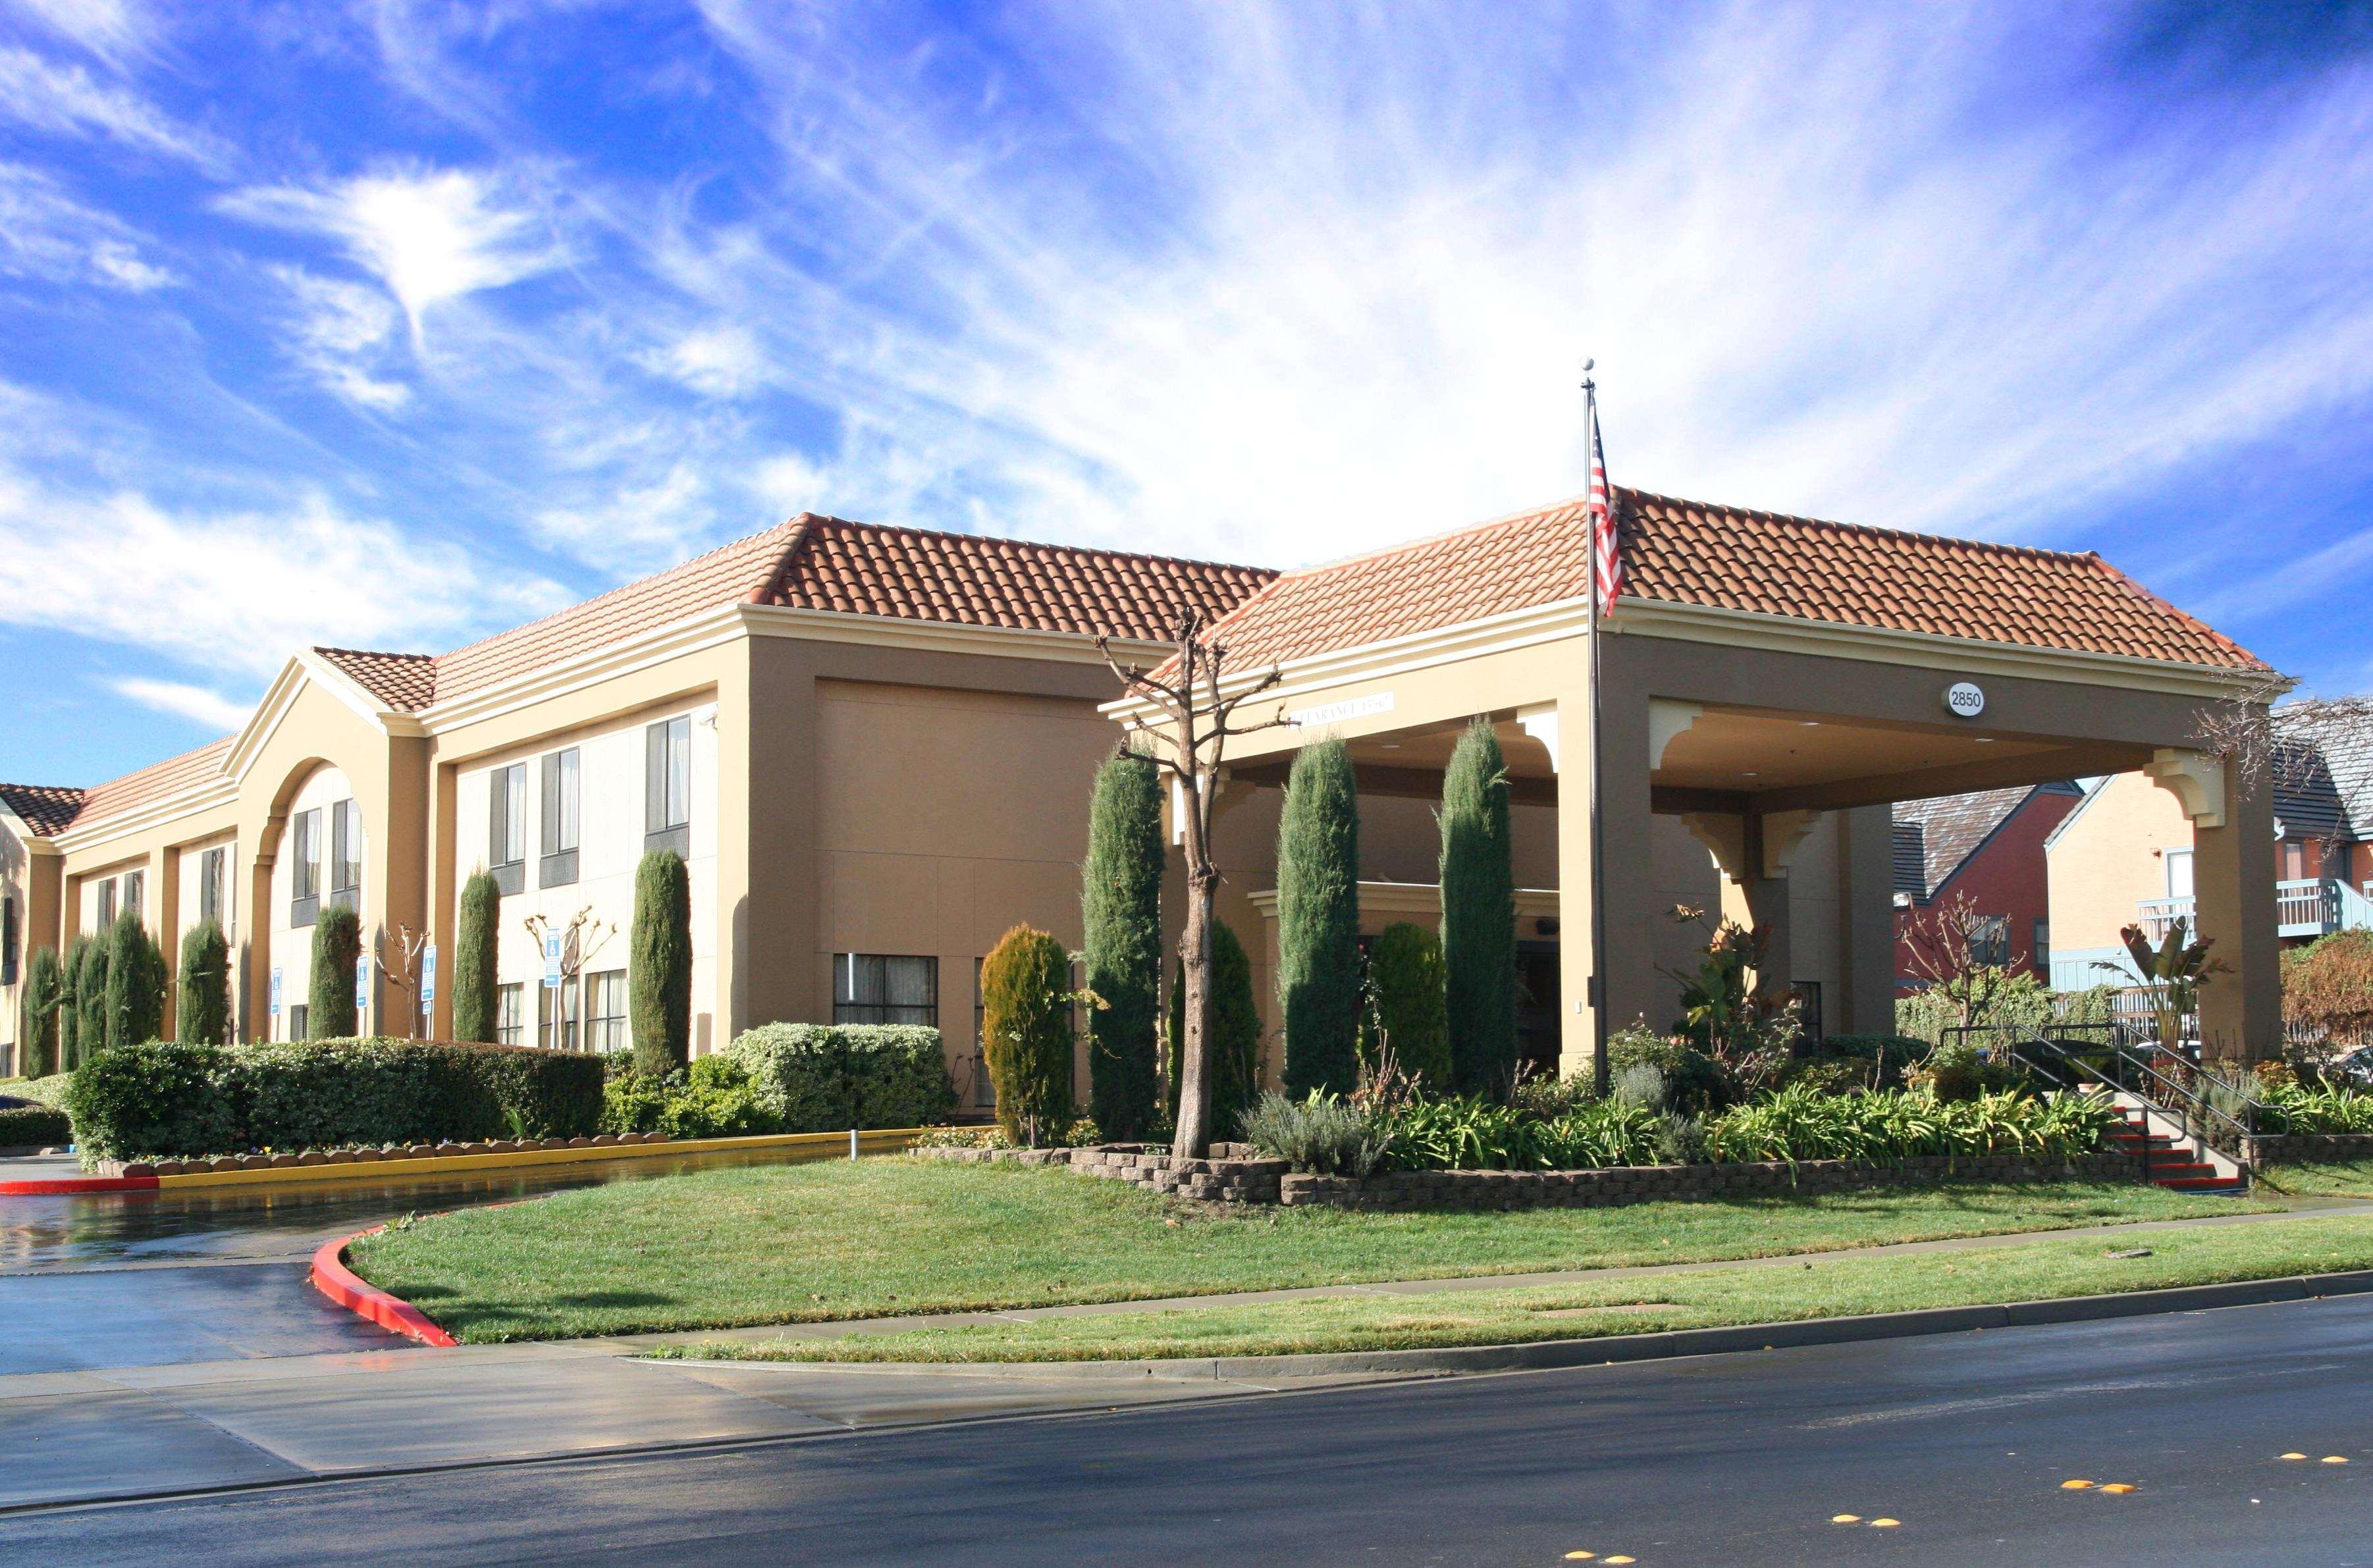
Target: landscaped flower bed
{"points": [[389, 1154]]}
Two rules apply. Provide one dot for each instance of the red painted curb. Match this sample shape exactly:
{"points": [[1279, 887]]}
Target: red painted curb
{"points": [[70, 1184], [349, 1290]]}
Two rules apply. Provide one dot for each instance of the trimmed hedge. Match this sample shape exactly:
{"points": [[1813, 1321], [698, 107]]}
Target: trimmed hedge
{"points": [[823, 1077], [178, 1101], [27, 1125]]}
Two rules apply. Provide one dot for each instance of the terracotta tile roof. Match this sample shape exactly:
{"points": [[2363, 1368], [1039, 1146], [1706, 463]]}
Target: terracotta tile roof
{"points": [[153, 782], [1687, 552], [47, 809], [1935, 837], [405, 683]]}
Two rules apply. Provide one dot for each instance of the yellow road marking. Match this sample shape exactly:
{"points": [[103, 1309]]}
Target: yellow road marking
{"points": [[2118, 1486], [1885, 1523], [2294, 1455], [1580, 1556], [2333, 1460], [1845, 1518], [2074, 1485]]}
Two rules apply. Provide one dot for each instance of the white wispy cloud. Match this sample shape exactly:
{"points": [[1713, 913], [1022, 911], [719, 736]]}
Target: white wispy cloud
{"points": [[63, 99], [200, 704], [722, 361], [112, 29], [46, 233], [344, 333]]}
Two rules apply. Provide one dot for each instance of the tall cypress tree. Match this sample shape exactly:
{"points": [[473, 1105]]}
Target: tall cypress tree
{"points": [[473, 959], [1409, 1012], [136, 982], [70, 1005], [1025, 1025], [1233, 1019], [1120, 910], [90, 1000], [1319, 920], [1478, 915], [202, 1005], [659, 964], [330, 998], [45, 990]]}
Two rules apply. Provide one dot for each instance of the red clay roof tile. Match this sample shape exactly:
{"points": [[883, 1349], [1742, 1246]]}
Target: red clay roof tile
{"points": [[47, 809]]}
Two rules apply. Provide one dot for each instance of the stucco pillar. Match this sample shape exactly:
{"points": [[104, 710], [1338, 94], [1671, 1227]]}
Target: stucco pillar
{"points": [[1866, 1003], [1753, 853], [770, 964], [1626, 991], [168, 927], [2233, 883]]}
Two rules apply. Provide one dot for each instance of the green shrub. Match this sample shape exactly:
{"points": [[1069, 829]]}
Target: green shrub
{"points": [[1120, 913], [1962, 1071], [1026, 1033], [2328, 984], [50, 1091], [475, 1002], [1470, 1132], [1694, 1082], [1802, 1123], [179, 1100], [1884, 1058], [1408, 1013], [136, 982], [1318, 988], [2298, 1108], [90, 999], [633, 1102], [2018, 1001], [1478, 916], [1233, 1024], [717, 1100], [39, 1005], [330, 994], [1321, 1132], [201, 1010], [824, 1077], [33, 1126], [659, 963]]}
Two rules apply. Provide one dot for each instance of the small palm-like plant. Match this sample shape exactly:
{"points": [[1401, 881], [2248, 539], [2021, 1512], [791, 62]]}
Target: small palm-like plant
{"points": [[2172, 974]]}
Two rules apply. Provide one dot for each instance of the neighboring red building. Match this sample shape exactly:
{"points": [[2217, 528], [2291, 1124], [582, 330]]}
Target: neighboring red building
{"points": [[1990, 846]]}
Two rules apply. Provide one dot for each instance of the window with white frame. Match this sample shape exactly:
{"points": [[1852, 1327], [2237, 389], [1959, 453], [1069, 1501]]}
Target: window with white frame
{"points": [[506, 827], [212, 876], [877, 988], [347, 855], [557, 867], [136, 892], [305, 867], [556, 1016], [667, 785], [106, 903], [605, 1010], [511, 1013]]}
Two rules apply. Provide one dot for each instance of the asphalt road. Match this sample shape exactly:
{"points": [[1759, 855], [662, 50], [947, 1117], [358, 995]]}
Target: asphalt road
{"points": [[1964, 1439]]}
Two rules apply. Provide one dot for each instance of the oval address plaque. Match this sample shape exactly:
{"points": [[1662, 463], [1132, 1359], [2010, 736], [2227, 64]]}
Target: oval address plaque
{"points": [[1963, 700]]}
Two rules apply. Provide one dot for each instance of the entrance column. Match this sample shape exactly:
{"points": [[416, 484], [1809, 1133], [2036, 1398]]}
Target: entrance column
{"points": [[1626, 992], [1754, 853], [2233, 892]]}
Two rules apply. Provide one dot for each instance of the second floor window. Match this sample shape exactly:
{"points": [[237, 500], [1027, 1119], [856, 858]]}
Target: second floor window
{"points": [[506, 829], [559, 863], [511, 1013], [2043, 955], [667, 787], [346, 854], [305, 867], [878, 988], [106, 904], [211, 867], [1990, 940]]}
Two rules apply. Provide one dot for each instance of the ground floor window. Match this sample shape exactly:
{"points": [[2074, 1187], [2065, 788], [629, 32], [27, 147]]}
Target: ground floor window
{"points": [[1808, 1011], [560, 1000], [605, 1010], [297, 1020], [511, 1013], [876, 988]]}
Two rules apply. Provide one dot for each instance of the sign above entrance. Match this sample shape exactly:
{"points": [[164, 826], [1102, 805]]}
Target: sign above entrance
{"points": [[1963, 700], [1339, 713]]}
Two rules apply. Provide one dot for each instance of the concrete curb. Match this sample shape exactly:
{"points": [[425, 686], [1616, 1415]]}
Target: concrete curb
{"points": [[334, 1278], [1546, 1354], [67, 1185]]}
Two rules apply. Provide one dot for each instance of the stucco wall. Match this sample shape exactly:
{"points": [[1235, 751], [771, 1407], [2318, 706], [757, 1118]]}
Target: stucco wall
{"points": [[2106, 860], [292, 946]]}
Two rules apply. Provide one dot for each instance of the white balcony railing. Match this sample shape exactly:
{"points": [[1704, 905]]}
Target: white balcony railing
{"points": [[2309, 906]]}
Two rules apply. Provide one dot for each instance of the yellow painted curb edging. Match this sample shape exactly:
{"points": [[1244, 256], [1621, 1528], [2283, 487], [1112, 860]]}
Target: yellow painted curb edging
{"points": [[876, 1140]]}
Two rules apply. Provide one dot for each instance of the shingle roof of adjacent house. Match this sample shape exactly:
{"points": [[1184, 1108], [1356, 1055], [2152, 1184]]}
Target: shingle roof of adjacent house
{"points": [[2322, 773], [1933, 839], [810, 562], [46, 808], [1728, 558]]}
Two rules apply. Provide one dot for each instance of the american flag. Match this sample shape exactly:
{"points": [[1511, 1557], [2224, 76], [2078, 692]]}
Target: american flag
{"points": [[1605, 548]]}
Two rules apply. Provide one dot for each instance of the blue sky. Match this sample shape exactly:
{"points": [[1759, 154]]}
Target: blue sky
{"points": [[391, 325]]}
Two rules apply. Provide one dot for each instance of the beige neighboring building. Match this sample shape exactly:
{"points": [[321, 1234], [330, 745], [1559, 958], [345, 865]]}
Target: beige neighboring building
{"points": [[874, 746]]}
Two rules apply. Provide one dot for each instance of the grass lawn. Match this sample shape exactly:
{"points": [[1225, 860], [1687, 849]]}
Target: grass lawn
{"points": [[781, 1243], [2334, 1178], [1829, 1287]]}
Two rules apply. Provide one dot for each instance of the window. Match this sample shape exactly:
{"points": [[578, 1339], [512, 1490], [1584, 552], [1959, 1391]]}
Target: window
{"points": [[297, 1021], [135, 887], [511, 1013], [565, 1036], [1990, 940], [347, 855], [7, 941], [2043, 949], [667, 787], [2295, 861], [305, 868], [559, 864], [1808, 1010], [210, 884], [2178, 874], [106, 903], [605, 1011], [506, 831], [867, 988]]}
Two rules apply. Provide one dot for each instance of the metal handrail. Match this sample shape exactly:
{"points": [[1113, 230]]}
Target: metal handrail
{"points": [[2198, 1118]]}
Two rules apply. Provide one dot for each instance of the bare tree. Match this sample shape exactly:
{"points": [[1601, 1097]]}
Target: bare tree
{"points": [[580, 939], [1964, 955], [1190, 743], [2286, 746], [404, 972]]}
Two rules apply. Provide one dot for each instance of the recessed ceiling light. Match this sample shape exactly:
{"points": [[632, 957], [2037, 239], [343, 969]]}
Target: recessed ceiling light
{"points": [[1751, 774], [1810, 724], [1985, 739]]}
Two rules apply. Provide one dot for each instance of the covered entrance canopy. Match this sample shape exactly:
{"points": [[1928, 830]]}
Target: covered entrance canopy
{"points": [[1767, 682]]}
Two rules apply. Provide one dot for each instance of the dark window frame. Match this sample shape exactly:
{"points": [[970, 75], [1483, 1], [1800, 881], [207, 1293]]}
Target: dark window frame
{"points": [[667, 785], [305, 867], [136, 892], [563, 787], [1990, 941], [506, 831], [856, 974], [345, 863], [299, 1014], [8, 939], [211, 865], [106, 903]]}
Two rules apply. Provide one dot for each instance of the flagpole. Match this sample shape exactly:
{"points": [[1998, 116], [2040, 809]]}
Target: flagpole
{"points": [[1592, 458]]}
